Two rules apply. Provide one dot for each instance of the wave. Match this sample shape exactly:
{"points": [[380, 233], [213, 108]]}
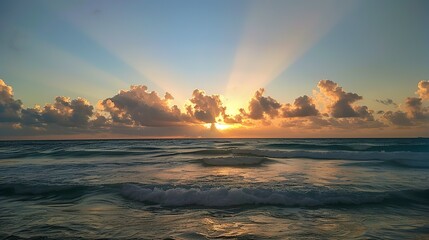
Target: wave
{"points": [[44, 190], [352, 147], [224, 197], [204, 152], [173, 196], [75, 153], [340, 155]]}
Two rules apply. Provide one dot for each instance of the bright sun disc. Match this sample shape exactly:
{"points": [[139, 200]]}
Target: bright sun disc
{"points": [[219, 126]]}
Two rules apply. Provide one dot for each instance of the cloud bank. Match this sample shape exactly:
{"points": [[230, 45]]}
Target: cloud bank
{"points": [[142, 113]]}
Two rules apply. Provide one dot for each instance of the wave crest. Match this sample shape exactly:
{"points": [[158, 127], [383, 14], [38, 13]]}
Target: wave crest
{"points": [[223, 197]]}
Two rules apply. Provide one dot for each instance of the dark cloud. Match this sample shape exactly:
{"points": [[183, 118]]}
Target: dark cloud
{"points": [[9, 107], [32, 116], [233, 119], [364, 112], [139, 107], [142, 113], [205, 108], [414, 109], [397, 118], [66, 112], [302, 107], [387, 102], [342, 101], [260, 106], [414, 113]]}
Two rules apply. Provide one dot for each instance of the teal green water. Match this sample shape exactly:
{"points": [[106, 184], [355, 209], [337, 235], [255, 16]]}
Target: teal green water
{"points": [[215, 188]]}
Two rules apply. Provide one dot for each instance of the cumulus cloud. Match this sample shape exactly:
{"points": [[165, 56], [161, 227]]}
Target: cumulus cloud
{"points": [[414, 113], [137, 106], [61, 116], [205, 108], [67, 112], [423, 89], [342, 113], [9, 107], [137, 111], [414, 109], [341, 106], [302, 107], [387, 102], [260, 106], [64, 112], [397, 118]]}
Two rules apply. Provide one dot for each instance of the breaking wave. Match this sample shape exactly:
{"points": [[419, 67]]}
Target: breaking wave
{"points": [[224, 197]]}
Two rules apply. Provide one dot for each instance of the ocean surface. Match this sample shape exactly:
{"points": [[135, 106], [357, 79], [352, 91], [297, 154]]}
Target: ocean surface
{"points": [[215, 189]]}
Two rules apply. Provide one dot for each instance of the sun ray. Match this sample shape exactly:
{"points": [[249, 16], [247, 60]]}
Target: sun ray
{"points": [[266, 50]]}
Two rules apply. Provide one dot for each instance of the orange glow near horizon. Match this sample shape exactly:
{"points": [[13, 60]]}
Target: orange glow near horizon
{"points": [[220, 126]]}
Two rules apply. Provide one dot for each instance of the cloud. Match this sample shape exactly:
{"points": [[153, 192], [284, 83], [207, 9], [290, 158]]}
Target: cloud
{"points": [[423, 89], [143, 113], [260, 106], [67, 112], [414, 113], [322, 122], [341, 106], [387, 102], [414, 108], [9, 107], [397, 118], [205, 108], [302, 107], [137, 106], [64, 112]]}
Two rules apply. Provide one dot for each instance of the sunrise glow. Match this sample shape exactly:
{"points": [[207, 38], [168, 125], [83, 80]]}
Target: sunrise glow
{"points": [[214, 119]]}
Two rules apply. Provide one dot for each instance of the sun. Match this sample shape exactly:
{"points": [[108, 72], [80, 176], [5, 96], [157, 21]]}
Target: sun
{"points": [[218, 126]]}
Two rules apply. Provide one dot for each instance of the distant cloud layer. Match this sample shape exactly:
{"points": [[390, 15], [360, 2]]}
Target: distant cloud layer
{"points": [[138, 111], [387, 102]]}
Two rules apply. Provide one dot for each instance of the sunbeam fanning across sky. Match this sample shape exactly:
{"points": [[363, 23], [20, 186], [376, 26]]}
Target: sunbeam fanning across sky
{"points": [[213, 68], [167, 51], [274, 36], [214, 119]]}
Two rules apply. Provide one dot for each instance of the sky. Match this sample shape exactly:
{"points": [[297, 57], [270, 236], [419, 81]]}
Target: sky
{"points": [[213, 68]]}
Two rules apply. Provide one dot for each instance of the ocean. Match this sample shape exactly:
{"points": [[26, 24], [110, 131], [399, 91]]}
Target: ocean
{"points": [[215, 189]]}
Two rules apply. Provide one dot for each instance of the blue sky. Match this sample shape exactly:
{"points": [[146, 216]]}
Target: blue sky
{"points": [[94, 49]]}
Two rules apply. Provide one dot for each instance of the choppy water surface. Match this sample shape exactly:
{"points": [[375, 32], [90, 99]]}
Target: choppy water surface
{"points": [[220, 188]]}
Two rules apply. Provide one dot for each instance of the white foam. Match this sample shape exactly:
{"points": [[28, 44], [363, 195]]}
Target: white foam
{"points": [[346, 155], [233, 161]]}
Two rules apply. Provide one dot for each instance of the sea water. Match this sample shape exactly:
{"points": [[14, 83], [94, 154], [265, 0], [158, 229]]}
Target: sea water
{"points": [[215, 188]]}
